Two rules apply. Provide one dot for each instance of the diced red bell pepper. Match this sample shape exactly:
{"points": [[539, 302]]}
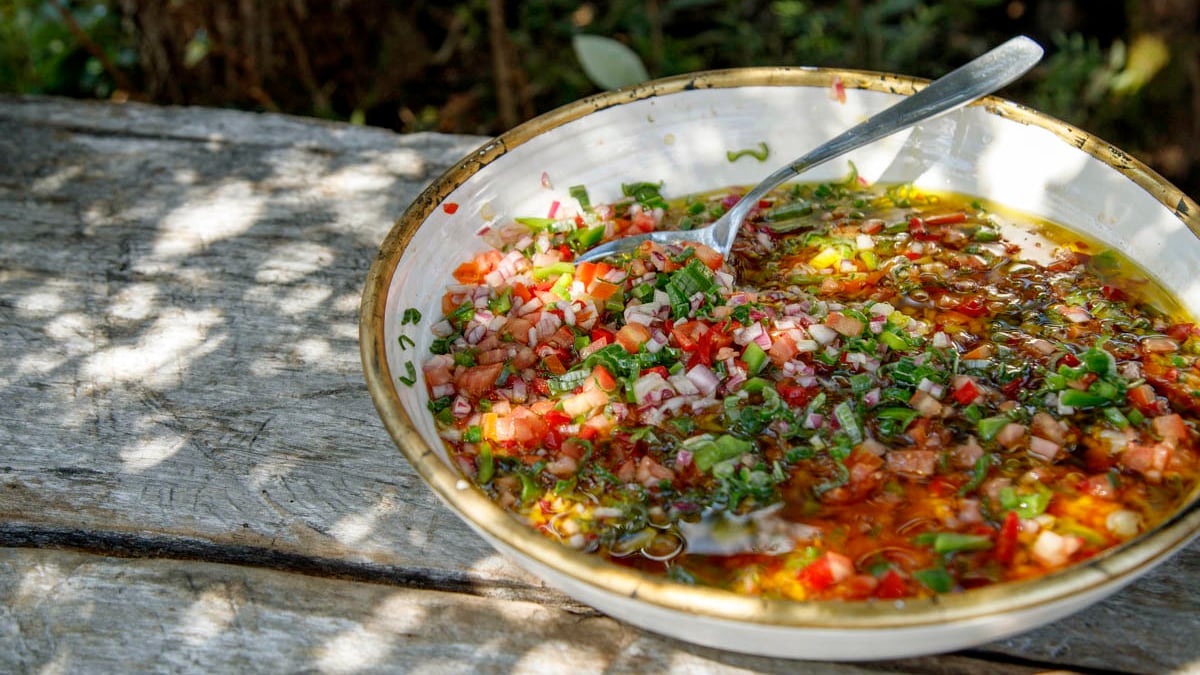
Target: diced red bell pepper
{"points": [[891, 586], [966, 391], [1006, 542]]}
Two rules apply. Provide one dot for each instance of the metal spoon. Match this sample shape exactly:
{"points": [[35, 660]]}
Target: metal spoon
{"points": [[977, 78]]}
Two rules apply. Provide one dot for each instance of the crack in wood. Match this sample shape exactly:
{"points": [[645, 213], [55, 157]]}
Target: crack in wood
{"points": [[142, 545]]}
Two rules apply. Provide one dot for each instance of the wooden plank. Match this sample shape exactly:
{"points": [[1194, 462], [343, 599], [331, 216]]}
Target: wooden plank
{"points": [[179, 373], [70, 612]]}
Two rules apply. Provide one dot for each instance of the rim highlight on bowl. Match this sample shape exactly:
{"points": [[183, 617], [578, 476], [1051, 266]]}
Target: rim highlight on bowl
{"points": [[678, 130]]}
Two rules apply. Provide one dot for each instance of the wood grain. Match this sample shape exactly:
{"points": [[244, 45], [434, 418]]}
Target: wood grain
{"points": [[180, 386]]}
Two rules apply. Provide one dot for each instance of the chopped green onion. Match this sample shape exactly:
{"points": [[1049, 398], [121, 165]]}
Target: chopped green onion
{"points": [[953, 542], [847, 421], [935, 579], [988, 427], [411, 315], [543, 273], [405, 342], [536, 225], [501, 303], [486, 464], [580, 193], [759, 152], [1082, 399], [709, 452], [473, 434], [411, 379], [981, 472]]}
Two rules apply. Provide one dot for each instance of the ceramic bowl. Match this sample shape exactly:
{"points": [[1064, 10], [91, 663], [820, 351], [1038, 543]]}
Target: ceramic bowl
{"points": [[678, 130]]}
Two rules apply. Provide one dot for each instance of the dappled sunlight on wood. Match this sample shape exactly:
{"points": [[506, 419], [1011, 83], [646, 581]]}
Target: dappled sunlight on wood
{"points": [[209, 216], [147, 453], [161, 357], [210, 614], [370, 643]]}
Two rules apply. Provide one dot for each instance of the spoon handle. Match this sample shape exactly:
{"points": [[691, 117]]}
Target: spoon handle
{"points": [[970, 81]]}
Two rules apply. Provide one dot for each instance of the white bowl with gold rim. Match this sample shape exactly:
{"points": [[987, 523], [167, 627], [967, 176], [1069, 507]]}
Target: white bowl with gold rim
{"points": [[679, 131]]}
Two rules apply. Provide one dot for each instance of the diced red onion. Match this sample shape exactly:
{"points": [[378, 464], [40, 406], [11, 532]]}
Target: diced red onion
{"points": [[940, 340], [520, 391], [461, 407], [806, 346], [475, 333], [683, 385], [814, 421], [876, 324], [440, 390], [822, 334], [651, 388], [1043, 448], [704, 379], [1075, 314], [806, 381], [871, 398], [683, 459], [442, 329], [1158, 345], [531, 305], [735, 380]]}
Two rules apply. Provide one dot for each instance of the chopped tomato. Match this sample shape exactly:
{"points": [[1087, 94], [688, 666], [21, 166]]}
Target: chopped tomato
{"points": [[632, 336], [792, 393], [706, 255], [603, 378], [1182, 331], [1144, 399], [660, 370], [599, 334], [521, 291], [783, 348], [687, 334], [556, 418], [478, 380], [602, 290], [474, 270], [827, 570], [973, 306], [554, 364]]}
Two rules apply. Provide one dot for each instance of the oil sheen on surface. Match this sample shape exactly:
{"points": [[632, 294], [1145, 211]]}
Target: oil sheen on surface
{"points": [[884, 393]]}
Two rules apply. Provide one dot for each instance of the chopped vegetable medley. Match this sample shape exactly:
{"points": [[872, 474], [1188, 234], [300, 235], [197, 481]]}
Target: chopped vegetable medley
{"points": [[884, 393]]}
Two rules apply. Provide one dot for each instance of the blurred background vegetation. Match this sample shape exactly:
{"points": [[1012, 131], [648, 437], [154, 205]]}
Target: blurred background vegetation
{"points": [[1125, 70]]}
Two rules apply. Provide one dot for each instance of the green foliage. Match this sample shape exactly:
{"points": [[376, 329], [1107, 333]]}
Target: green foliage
{"points": [[435, 66], [39, 54]]}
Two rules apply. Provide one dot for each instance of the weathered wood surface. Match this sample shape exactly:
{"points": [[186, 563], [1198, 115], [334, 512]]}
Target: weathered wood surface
{"points": [[180, 387]]}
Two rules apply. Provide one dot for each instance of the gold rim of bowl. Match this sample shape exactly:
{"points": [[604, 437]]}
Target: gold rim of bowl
{"points": [[1116, 566]]}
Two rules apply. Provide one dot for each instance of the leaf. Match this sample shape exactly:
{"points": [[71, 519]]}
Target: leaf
{"points": [[1147, 55], [608, 63]]}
